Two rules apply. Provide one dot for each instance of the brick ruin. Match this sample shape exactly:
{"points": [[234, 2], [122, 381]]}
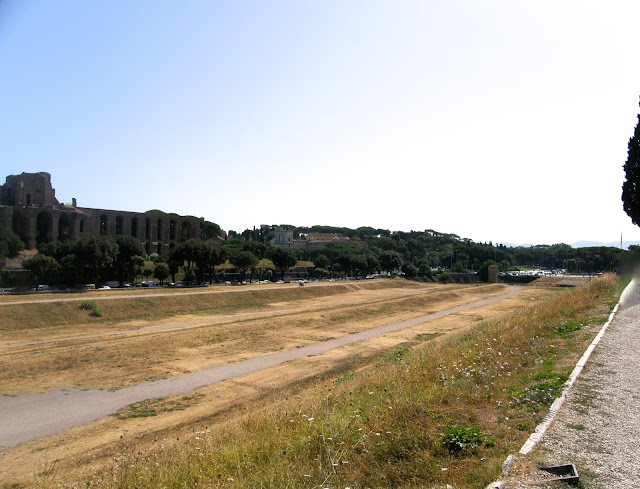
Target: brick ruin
{"points": [[29, 207]]}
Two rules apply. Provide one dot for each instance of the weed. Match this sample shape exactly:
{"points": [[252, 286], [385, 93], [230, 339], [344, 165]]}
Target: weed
{"points": [[537, 396], [87, 305], [565, 330], [345, 377], [457, 439], [427, 336], [399, 353], [93, 306]]}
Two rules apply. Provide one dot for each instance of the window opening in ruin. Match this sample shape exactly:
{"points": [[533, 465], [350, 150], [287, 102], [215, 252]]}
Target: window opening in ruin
{"points": [[44, 228], [64, 227], [172, 230], [82, 225], [186, 231], [159, 230], [28, 200], [134, 227], [147, 230], [104, 221], [119, 224]]}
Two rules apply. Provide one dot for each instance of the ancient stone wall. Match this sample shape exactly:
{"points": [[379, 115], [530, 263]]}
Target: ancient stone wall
{"points": [[28, 189], [43, 219]]}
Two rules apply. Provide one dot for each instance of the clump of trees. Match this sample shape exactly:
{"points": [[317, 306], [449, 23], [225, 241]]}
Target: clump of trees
{"points": [[10, 244], [93, 259]]}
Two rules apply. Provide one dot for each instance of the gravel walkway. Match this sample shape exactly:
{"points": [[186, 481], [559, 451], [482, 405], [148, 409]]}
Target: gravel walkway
{"points": [[598, 427]]}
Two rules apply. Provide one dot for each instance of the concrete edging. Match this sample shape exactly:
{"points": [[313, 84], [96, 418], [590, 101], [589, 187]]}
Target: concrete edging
{"points": [[542, 428]]}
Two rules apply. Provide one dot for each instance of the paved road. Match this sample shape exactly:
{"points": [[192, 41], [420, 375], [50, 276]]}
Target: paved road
{"points": [[32, 416]]}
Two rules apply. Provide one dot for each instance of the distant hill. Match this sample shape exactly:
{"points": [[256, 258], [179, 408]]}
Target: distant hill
{"points": [[615, 244], [582, 244]]}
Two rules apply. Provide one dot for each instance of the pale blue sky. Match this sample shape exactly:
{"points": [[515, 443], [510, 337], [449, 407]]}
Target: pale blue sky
{"points": [[495, 120]]}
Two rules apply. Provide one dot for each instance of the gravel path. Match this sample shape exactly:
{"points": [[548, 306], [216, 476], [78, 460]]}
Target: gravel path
{"points": [[30, 416], [598, 427]]}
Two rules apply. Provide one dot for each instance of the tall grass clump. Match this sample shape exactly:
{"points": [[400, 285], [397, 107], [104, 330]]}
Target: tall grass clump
{"points": [[93, 306], [434, 414]]}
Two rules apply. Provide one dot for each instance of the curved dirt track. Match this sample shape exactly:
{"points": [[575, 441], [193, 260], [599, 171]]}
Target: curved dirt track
{"points": [[31, 416]]}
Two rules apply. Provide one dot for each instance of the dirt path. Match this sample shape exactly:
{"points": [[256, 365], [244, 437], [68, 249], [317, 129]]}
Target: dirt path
{"points": [[31, 416]]}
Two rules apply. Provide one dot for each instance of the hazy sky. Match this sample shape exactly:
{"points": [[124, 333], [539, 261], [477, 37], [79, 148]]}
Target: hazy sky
{"points": [[494, 120]]}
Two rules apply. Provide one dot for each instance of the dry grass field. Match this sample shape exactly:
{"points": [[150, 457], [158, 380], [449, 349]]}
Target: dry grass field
{"points": [[143, 336]]}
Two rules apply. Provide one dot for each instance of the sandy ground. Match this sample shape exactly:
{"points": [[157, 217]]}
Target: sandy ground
{"points": [[74, 430]]}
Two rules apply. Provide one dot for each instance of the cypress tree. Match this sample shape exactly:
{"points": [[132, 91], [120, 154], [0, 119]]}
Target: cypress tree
{"points": [[631, 185]]}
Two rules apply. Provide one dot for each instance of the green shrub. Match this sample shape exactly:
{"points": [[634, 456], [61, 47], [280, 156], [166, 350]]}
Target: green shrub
{"points": [[565, 330], [537, 396], [95, 309], [457, 439], [88, 305]]}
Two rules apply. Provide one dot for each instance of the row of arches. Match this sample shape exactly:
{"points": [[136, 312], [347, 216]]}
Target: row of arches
{"points": [[46, 231], [185, 228]]}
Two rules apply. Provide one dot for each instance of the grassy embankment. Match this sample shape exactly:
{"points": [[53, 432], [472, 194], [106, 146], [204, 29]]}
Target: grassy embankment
{"points": [[444, 412], [92, 357]]}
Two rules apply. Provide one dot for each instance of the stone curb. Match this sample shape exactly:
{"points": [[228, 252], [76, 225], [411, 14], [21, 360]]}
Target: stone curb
{"points": [[542, 428]]}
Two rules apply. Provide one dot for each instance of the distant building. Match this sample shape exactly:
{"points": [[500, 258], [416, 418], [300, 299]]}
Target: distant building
{"points": [[29, 207], [284, 238]]}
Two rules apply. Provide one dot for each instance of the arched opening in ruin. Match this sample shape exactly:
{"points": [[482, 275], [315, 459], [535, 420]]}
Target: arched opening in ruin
{"points": [[147, 230], [134, 227], [44, 228], [119, 225], [159, 238], [64, 227], [172, 230], [104, 223], [186, 231]]}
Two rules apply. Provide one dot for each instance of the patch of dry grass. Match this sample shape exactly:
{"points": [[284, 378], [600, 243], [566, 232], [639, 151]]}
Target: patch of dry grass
{"points": [[131, 357], [35, 315], [383, 426]]}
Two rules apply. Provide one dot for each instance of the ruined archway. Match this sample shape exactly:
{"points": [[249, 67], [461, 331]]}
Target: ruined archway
{"points": [[172, 230], [65, 229], [186, 231], [134, 227], [104, 225], [44, 228], [119, 225]]}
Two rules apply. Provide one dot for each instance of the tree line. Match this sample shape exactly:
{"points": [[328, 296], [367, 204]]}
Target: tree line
{"points": [[415, 253]]}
